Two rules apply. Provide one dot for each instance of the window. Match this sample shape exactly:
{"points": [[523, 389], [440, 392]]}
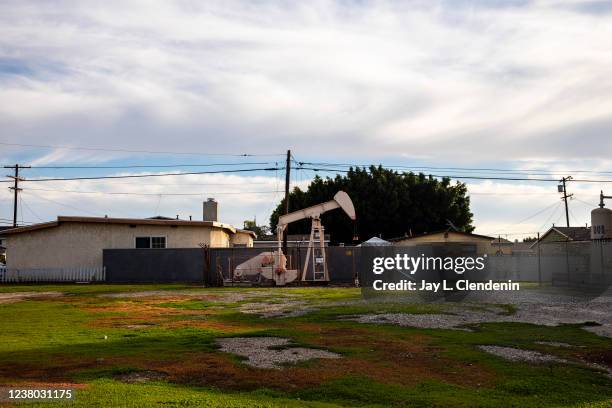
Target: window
{"points": [[158, 242], [150, 242]]}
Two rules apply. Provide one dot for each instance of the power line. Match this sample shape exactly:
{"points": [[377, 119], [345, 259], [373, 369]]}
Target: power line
{"points": [[145, 175], [62, 204], [118, 150], [147, 166], [29, 209], [448, 176], [584, 202], [478, 169], [152, 194], [510, 194], [470, 177], [550, 217]]}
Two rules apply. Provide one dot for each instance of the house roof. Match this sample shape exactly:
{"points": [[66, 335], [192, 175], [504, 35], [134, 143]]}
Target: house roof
{"points": [[467, 234], [570, 233], [501, 241], [290, 238], [244, 231], [129, 221]]}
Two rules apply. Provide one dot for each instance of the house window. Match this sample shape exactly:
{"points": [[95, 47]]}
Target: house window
{"points": [[150, 242], [158, 242]]}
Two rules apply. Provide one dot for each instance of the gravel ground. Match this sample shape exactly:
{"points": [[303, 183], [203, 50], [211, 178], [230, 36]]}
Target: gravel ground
{"points": [[141, 376], [554, 344], [260, 351], [288, 308], [534, 313], [514, 354], [421, 321]]}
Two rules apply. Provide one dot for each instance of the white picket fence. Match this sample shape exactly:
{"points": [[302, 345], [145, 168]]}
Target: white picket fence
{"points": [[86, 274]]}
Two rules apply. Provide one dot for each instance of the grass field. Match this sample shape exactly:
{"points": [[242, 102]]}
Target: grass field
{"points": [[155, 345]]}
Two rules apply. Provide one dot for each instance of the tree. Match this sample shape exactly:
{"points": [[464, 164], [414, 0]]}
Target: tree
{"points": [[259, 230], [388, 204]]}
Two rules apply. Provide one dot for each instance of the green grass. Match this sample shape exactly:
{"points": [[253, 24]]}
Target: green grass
{"points": [[86, 289], [65, 337], [110, 393]]}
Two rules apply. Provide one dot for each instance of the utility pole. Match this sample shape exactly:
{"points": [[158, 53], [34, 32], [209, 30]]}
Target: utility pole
{"points": [[15, 189], [287, 180], [562, 189]]}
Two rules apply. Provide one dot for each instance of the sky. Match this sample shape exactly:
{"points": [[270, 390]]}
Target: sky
{"points": [[517, 85]]}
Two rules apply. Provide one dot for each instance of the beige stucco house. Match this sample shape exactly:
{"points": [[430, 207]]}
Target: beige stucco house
{"points": [[483, 243], [77, 242]]}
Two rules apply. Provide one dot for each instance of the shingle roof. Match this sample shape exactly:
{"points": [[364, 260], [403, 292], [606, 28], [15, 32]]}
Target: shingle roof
{"points": [[575, 233], [571, 233]]}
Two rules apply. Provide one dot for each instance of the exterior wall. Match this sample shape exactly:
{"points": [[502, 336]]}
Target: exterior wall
{"points": [[242, 239], [72, 245], [482, 245], [502, 249], [554, 236]]}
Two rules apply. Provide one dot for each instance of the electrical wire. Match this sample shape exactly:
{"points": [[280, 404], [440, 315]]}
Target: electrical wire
{"points": [[470, 177], [23, 202], [478, 169], [584, 202], [147, 166], [550, 217], [152, 194], [144, 175], [120, 150], [62, 204]]}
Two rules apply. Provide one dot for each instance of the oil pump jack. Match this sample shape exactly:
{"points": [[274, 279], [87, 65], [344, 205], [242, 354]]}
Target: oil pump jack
{"points": [[273, 265]]}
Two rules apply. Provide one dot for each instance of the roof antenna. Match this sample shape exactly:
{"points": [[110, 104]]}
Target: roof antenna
{"points": [[453, 226]]}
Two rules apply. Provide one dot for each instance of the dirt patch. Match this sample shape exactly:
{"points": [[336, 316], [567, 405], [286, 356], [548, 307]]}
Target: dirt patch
{"points": [[53, 369], [138, 377], [220, 296], [18, 296], [223, 327], [136, 315], [260, 351], [514, 354]]}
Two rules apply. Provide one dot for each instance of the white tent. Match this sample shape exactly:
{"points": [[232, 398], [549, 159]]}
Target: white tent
{"points": [[375, 241]]}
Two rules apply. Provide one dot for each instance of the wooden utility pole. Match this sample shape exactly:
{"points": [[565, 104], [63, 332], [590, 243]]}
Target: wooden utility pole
{"points": [[15, 189], [287, 181], [565, 197]]}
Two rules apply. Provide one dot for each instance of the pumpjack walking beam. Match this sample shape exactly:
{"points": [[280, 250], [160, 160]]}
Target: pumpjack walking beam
{"points": [[319, 263]]}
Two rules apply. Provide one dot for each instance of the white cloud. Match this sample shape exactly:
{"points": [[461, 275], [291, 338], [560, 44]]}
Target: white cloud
{"points": [[239, 197], [459, 82], [407, 77]]}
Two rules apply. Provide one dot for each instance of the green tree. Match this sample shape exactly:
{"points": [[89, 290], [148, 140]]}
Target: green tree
{"points": [[259, 230], [388, 204]]}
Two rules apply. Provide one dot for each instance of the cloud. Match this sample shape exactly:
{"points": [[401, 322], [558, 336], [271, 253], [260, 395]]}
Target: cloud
{"points": [[462, 82], [405, 77], [239, 197]]}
